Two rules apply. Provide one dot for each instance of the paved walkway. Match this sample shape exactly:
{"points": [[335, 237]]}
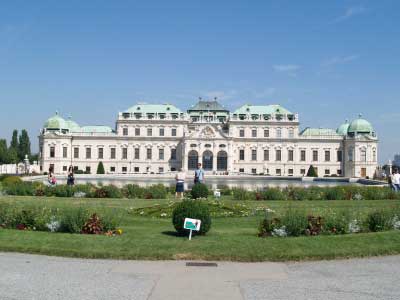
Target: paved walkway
{"points": [[41, 277]]}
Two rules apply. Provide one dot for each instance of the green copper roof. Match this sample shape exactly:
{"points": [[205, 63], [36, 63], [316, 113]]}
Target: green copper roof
{"points": [[72, 126], [207, 106], [262, 109], [318, 132], [342, 129], [154, 108], [360, 126], [55, 122], [96, 129]]}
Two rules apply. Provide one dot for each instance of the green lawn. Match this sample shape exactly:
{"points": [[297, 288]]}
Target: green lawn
{"points": [[229, 238]]}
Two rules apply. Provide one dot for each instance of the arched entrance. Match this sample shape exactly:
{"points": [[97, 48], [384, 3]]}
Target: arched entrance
{"points": [[193, 160], [207, 160], [222, 161]]}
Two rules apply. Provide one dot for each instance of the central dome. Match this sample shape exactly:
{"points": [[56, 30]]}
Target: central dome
{"points": [[360, 125], [56, 122]]}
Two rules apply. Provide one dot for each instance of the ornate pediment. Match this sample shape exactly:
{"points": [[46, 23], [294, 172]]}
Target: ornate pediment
{"points": [[206, 132]]}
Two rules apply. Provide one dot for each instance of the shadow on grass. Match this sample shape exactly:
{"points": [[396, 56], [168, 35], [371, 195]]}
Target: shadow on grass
{"points": [[174, 234]]}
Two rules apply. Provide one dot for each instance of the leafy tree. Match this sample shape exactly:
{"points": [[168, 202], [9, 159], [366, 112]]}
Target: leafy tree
{"points": [[14, 140], [100, 168], [34, 157], [12, 156], [24, 146], [312, 172], [3, 152]]}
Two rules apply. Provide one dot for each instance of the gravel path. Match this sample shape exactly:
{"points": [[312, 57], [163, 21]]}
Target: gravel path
{"points": [[43, 278]]}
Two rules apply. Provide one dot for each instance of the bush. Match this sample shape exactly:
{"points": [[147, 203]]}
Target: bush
{"points": [[312, 172], [334, 193], [337, 223], [194, 209], [100, 168], [199, 190], [273, 194], [133, 191], [108, 191], [379, 220], [295, 222], [157, 191], [72, 220], [11, 180], [93, 225], [242, 194], [19, 189]]}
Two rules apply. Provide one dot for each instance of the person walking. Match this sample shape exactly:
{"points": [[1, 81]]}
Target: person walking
{"points": [[396, 180], [180, 184], [199, 174], [51, 178], [71, 177]]}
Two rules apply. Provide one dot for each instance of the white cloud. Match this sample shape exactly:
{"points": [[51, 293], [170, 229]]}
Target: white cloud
{"points": [[351, 12], [287, 69], [339, 60]]}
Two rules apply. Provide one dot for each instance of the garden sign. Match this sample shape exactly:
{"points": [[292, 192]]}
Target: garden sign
{"points": [[192, 224]]}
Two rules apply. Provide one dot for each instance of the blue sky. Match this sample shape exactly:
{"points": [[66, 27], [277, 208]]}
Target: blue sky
{"points": [[326, 60]]}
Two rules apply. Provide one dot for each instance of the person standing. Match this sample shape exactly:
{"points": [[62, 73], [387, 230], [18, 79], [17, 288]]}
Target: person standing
{"points": [[180, 184], [199, 174], [396, 180], [51, 178], [71, 178]]}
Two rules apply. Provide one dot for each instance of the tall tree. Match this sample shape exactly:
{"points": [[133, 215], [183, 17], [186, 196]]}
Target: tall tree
{"points": [[12, 156], [24, 146], [14, 140], [3, 152]]}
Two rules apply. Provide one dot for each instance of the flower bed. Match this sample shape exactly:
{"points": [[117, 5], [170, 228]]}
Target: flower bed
{"points": [[72, 220], [298, 222]]}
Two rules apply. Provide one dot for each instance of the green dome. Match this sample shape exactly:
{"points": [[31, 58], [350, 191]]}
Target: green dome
{"points": [[342, 129], [72, 126], [360, 126], [56, 122]]}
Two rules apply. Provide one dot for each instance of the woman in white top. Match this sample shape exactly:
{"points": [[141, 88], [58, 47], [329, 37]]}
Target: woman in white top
{"points": [[180, 184]]}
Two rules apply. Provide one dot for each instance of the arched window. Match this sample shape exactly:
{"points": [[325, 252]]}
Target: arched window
{"points": [[363, 155], [193, 160], [207, 160], [222, 161]]}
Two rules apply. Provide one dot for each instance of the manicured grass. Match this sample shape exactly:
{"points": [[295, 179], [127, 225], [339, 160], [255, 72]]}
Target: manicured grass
{"points": [[229, 238]]}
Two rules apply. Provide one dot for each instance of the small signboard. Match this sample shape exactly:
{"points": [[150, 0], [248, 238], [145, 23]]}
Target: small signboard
{"points": [[192, 224]]}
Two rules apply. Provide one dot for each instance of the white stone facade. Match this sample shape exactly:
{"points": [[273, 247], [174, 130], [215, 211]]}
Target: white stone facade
{"points": [[252, 140]]}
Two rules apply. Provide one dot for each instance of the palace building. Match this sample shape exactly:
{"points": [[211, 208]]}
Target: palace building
{"points": [[253, 139]]}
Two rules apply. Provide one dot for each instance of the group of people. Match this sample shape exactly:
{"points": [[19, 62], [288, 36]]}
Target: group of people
{"points": [[52, 180], [180, 180], [394, 181]]}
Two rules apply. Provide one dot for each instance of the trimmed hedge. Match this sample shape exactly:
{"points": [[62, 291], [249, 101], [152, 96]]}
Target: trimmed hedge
{"points": [[194, 209]]}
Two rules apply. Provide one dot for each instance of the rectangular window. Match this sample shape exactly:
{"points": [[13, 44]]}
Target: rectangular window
{"points": [[161, 131], [65, 152], [363, 155], [125, 131], [290, 172], [339, 172], [290, 155], [303, 155], [137, 155], [65, 168], [160, 170], [88, 153], [278, 155], [161, 154], [52, 152], [266, 155], [278, 172], [112, 169], [76, 152], [303, 171], [241, 132], [241, 170], [124, 153], [137, 131], [100, 153], [241, 154], [124, 169], [266, 132], [253, 171], [339, 155], [136, 169], [112, 153], [173, 131], [149, 131], [327, 172], [291, 133], [148, 153], [315, 155], [253, 154], [87, 170], [327, 155], [254, 133], [173, 154], [279, 133]]}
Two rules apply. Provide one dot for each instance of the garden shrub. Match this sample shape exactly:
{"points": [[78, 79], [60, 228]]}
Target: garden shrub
{"points": [[242, 194], [268, 225], [225, 190], [296, 193], [133, 191], [191, 209], [314, 226], [19, 189], [108, 191], [11, 180], [199, 190], [93, 225], [295, 222], [157, 191], [379, 220], [100, 168], [273, 194], [312, 172], [334, 193], [337, 222], [72, 220]]}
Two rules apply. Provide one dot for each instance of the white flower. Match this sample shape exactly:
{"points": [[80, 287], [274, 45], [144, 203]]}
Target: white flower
{"points": [[396, 223], [354, 227], [280, 232], [142, 212], [268, 210], [54, 225], [163, 215]]}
